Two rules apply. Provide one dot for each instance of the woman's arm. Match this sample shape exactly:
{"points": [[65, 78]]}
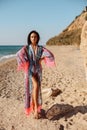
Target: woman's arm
{"points": [[22, 59], [48, 57]]}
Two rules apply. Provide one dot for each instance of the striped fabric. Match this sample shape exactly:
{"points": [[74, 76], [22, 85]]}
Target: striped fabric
{"points": [[30, 64]]}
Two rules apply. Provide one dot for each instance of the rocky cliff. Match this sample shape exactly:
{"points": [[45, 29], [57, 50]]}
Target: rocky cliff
{"points": [[71, 34]]}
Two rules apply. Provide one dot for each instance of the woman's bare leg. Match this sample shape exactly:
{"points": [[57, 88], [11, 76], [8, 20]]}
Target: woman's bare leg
{"points": [[35, 96]]}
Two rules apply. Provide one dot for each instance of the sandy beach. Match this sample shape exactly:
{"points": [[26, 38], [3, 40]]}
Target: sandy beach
{"points": [[68, 76]]}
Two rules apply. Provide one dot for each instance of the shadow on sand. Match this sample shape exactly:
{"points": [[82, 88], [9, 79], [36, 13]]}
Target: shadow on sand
{"points": [[58, 111]]}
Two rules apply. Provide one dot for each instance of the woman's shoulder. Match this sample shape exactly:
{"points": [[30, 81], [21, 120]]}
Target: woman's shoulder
{"points": [[25, 46], [23, 49], [41, 46]]}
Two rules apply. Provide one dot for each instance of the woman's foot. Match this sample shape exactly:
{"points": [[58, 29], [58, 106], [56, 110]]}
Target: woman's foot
{"points": [[32, 108], [36, 115]]}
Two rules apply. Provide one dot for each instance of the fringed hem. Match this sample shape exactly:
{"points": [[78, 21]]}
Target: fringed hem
{"points": [[30, 109]]}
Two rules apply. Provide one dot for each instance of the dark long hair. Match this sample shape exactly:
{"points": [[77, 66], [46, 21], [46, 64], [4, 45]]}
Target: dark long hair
{"points": [[28, 38]]}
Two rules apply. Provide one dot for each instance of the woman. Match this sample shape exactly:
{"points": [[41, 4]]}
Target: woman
{"points": [[29, 59]]}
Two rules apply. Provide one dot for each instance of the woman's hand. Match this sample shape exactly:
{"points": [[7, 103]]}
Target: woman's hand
{"points": [[41, 59]]}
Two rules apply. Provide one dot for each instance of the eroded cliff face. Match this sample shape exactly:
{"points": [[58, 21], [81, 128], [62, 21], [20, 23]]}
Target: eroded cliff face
{"points": [[83, 46], [71, 35]]}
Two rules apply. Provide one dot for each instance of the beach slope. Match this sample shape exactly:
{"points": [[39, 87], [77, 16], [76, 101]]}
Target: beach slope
{"points": [[68, 76]]}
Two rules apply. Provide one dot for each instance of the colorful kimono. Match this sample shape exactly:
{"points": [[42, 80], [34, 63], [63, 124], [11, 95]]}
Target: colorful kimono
{"points": [[30, 64]]}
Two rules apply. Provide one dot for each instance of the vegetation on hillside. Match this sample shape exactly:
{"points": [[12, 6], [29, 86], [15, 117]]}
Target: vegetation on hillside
{"points": [[71, 37], [72, 34]]}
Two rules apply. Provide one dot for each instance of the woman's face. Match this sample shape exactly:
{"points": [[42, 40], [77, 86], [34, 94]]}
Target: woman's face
{"points": [[33, 38]]}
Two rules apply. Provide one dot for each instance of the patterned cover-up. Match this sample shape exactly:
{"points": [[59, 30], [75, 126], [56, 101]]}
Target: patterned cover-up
{"points": [[30, 64]]}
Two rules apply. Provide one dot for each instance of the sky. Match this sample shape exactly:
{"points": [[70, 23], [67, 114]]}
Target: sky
{"points": [[47, 17]]}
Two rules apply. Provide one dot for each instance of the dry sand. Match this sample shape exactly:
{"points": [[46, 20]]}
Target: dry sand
{"points": [[68, 76]]}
